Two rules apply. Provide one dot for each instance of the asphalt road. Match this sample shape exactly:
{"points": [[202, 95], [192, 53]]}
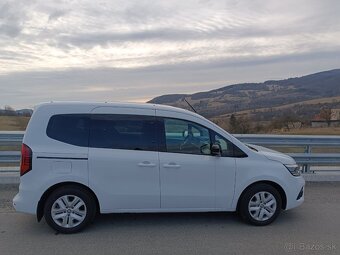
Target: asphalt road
{"points": [[313, 228]]}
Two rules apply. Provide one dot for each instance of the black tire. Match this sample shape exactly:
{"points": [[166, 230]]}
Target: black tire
{"points": [[249, 194], [89, 207]]}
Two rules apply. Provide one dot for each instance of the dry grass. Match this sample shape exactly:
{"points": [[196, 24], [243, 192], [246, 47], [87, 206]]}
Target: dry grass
{"points": [[13, 123], [312, 131], [9, 165], [10, 148], [287, 106]]}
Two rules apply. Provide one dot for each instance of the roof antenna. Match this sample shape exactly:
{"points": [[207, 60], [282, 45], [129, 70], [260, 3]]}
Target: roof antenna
{"points": [[190, 105]]}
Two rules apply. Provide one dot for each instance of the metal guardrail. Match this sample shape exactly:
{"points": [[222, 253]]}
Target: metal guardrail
{"points": [[10, 138], [9, 156], [307, 159], [291, 140]]}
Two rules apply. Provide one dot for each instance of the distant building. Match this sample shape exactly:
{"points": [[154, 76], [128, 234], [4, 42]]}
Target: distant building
{"points": [[335, 114], [318, 121]]}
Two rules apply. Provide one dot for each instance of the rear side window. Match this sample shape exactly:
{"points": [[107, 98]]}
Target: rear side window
{"points": [[69, 128], [127, 132]]}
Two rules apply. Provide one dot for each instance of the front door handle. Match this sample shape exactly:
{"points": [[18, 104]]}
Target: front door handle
{"points": [[171, 165], [146, 164]]}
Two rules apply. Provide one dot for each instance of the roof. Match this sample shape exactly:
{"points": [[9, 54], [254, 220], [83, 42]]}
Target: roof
{"points": [[122, 104]]}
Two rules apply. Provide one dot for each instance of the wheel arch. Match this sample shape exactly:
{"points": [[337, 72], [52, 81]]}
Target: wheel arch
{"points": [[41, 203], [274, 184]]}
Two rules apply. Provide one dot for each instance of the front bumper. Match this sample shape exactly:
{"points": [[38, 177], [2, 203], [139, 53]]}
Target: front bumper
{"points": [[295, 193]]}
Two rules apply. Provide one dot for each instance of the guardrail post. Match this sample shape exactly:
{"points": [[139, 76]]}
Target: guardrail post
{"points": [[306, 167]]}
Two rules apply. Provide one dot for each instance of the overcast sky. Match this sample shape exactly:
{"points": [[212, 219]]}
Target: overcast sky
{"points": [[137, 49]]}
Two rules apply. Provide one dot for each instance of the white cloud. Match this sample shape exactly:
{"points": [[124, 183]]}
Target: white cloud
{"points": [[57, 36]]}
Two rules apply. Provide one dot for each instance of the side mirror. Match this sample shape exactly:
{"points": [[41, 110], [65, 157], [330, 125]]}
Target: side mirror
{"points": [[215, 150]]}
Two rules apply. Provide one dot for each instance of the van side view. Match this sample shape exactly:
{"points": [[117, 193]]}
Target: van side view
{"points": [[80, 159]]}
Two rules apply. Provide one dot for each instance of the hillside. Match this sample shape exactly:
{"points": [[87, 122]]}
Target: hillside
{"points": [[303, 96]]}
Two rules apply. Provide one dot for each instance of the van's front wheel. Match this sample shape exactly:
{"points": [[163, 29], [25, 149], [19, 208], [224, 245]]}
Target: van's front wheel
{"points": [[260, 204], [69, 209]]}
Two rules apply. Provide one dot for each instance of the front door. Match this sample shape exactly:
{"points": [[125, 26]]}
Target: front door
{"points": [[187, 169]]}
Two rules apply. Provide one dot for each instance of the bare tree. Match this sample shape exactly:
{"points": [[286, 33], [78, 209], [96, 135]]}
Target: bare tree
{"points": [[287, 121], [233, 124], [9, 110], [244, 125], [326, 114], [239, 125]]}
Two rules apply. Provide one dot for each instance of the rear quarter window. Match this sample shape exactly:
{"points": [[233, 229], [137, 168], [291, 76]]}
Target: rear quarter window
{"points": [[69, 128], [126, 132]]}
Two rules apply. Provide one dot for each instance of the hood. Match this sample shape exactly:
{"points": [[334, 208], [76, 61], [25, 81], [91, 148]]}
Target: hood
{"points": [[273, 155]]}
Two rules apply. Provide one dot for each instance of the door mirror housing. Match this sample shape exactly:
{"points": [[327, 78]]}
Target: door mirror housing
{"points": [[215, 150]]}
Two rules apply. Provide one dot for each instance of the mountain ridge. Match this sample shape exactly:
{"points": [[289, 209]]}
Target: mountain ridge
{"points": [[268, 94]]}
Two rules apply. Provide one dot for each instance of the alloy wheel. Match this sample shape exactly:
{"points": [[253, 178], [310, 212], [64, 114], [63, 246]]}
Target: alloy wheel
{"points": [[262, 206], [68, 211]]}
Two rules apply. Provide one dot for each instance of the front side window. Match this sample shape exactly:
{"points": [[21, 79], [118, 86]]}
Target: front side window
{"points": [[186, 137], [69, 128], [227, 148], [127, 132]]}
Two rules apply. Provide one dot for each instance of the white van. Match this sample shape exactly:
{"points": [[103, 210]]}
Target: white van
{"points": [[79, 159]]}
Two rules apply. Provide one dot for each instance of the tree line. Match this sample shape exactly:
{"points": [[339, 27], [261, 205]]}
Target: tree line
{"points": [[10, 111], [246, 124]]}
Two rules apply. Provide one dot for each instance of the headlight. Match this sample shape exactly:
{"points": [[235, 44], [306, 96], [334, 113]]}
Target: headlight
{"points": [[294, 169]]}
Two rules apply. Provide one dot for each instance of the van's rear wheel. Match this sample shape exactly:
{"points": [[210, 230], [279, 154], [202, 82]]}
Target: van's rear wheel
{"points": [[260, 204], [69, 209]]}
